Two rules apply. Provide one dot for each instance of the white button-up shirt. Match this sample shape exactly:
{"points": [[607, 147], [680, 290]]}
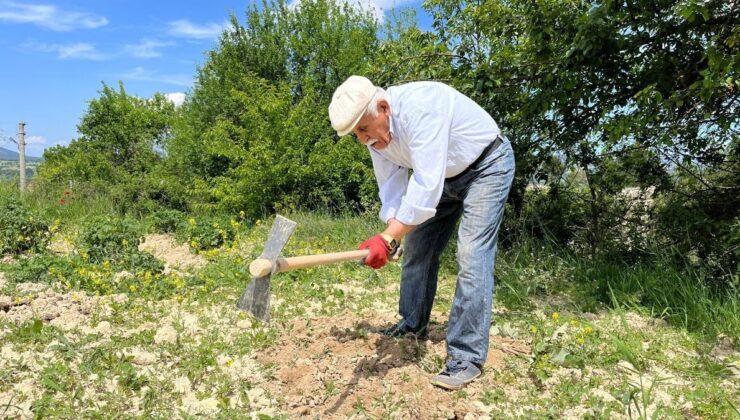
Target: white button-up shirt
{"points": [[437, 132]]}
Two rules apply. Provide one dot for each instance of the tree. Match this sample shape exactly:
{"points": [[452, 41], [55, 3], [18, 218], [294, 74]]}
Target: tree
{"points": [[590, 82], [118, 146], [254, 132]]}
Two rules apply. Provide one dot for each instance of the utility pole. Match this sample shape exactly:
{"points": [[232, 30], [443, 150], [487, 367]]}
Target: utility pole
{"points": [[22, 153]]}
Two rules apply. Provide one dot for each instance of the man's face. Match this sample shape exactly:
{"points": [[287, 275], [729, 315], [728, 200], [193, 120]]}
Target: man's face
{"points": [[375, 131]]}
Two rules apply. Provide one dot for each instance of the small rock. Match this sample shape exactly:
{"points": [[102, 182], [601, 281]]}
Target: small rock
{"points": [[209, 405], [482, 407], [143, 358], [165, 334], [182, 385], [255, 394], [104, 328]]}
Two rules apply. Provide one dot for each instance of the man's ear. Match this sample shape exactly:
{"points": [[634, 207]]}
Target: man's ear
{"points": [[384, 107]]}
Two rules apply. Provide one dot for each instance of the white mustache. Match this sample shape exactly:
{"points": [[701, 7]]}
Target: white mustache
{"points": [[370, 142]]}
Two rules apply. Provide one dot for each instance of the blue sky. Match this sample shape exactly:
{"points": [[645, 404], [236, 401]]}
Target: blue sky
{"points": [[56, 54]]}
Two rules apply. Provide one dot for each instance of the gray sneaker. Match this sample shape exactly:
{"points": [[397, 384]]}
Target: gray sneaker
{"points": [[456, 374]]}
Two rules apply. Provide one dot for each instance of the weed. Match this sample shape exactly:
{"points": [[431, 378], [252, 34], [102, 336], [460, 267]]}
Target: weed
{"points": [[492, 396], [21, 229]]}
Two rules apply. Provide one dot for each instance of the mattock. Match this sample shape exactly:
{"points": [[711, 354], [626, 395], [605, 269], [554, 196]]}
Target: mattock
{"points": [[256, 297]]}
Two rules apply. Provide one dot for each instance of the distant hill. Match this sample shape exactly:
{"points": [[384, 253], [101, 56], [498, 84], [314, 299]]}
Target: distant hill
{"points": [[6, 154]]}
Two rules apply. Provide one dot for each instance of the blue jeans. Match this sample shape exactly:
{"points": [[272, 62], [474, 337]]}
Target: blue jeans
{"points": [[478, 195]]}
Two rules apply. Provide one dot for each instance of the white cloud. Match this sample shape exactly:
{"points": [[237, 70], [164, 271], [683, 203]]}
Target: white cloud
{"points": [[186, 29], [48, 16], [177, 98], [35, 140], [146, 48], [78, 50], [142, 74]]}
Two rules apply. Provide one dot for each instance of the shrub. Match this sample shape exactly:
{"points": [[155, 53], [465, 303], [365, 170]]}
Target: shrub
{"points": [[210, 232], [21, 229], [75, 273], [106, 238], [115, 241], [167, 220]]}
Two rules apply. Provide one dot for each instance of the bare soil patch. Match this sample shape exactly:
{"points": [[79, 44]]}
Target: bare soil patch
{"points": [[337, 367], [64, 310], [165, 248]]}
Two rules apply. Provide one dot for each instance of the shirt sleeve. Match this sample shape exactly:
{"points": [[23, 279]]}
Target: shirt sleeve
{"points": [[392, 181], [429, 131]]}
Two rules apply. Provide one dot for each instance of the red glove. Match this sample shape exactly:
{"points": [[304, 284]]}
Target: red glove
{"points": [[379, 251]]}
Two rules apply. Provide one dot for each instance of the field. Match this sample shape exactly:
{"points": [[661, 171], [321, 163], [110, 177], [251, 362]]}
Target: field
{"points": [[557, 350], [9, 169]]}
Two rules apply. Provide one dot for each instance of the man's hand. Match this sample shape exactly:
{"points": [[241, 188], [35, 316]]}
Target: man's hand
{"points": [[380, 250]]}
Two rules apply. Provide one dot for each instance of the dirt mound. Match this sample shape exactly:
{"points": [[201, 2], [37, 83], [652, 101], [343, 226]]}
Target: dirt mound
{"points": [[165, 248], [343, 366]]}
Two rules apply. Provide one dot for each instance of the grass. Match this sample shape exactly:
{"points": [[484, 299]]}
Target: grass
{"points": [[577, 315], [657, 289]]}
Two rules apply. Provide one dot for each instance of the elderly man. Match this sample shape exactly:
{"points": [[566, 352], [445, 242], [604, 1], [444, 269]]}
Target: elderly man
{"points": [[462, 169]]}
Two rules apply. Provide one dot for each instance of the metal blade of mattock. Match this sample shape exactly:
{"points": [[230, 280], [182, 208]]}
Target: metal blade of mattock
{"points": [[256, 297]]}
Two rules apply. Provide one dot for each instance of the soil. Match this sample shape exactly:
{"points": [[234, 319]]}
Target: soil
{"points": [[340, 366], [64, 310], [174, 256]]}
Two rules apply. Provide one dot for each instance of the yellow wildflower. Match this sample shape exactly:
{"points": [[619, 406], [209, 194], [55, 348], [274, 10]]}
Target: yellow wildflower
{"points": [[555, 316]]}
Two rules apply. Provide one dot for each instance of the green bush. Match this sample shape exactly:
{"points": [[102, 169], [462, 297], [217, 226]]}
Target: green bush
{"points": [[33, 269], [78, 273], [106, 238], [115, 241], [210, 232], [167, 220], [703, 231], [21, 229], [557, 213]]}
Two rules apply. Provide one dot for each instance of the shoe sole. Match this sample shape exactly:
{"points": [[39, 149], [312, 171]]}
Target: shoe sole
{"points": [[452, 387]]}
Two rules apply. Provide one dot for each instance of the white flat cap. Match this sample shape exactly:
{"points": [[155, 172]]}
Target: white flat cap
{"points": [[349, 103]]}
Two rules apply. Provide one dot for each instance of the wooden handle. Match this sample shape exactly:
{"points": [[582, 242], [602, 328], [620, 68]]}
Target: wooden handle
{"points": [[262, 267]]}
